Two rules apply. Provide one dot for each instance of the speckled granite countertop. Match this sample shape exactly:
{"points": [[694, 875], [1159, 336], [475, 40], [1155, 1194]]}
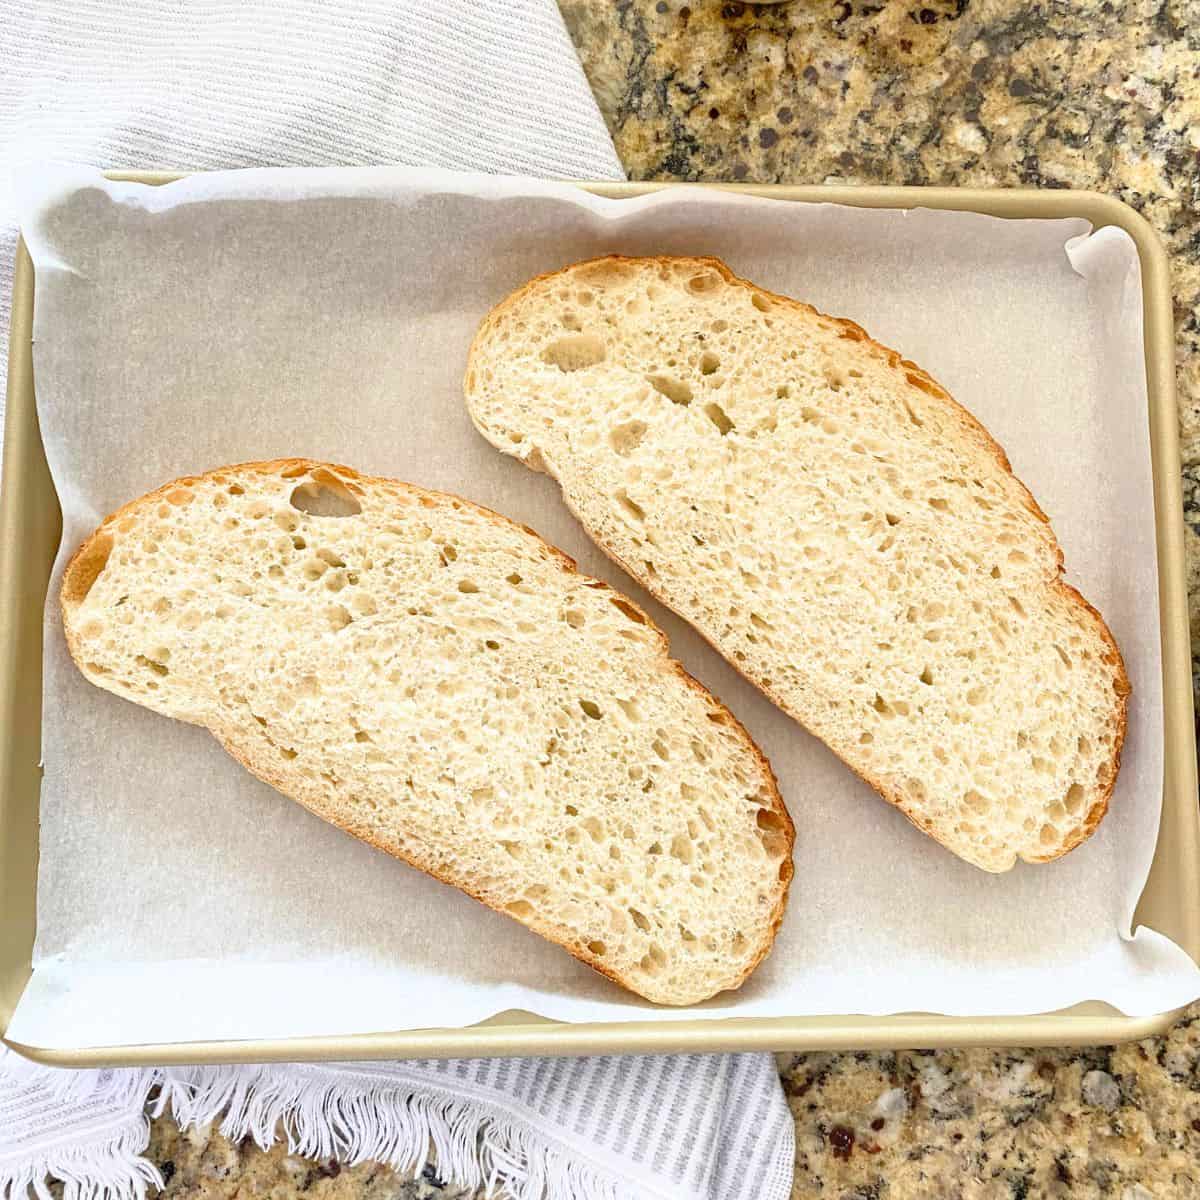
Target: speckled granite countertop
{"points": [[1100, 94]]}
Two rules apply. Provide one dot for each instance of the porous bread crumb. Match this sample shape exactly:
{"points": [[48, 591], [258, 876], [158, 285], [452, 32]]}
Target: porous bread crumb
{"points": [[834, 524], [441, 683]]}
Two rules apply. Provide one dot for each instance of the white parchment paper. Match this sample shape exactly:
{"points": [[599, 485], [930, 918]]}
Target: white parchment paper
{"points": [[327, 313]]}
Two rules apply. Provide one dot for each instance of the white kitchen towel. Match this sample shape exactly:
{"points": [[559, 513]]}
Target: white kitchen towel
{"points": [[651, 1128], [482, 84]]}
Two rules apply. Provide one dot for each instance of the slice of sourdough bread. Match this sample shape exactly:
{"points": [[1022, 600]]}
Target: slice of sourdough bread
{"points": [[833, 523], [440, 682]]}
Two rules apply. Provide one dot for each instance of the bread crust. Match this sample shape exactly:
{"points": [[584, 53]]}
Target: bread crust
{"points": [[263, 768], [918, 379]]}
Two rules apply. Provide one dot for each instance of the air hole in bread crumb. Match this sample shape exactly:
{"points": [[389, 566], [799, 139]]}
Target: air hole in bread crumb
{"points": [[591, 708], [570, 321], [912, 416], [627, 436], [630, 506], [597, 948], [629, 708], [236, 489], [87, 568], [594, 827], [927, 677], [682, 849], [467, 587], [717, 415], [157, 667], [975, 802], [706, 281], [325, 496], [675, 390], [575, 352], [521, 909], [709, 363], [770, 821], [1064, 656], [288, 752], [760, 302], [772, 832]]}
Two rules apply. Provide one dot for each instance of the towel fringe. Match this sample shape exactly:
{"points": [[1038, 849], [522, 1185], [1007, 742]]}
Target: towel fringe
{"points": [[111, 1168], [409, 1131]]}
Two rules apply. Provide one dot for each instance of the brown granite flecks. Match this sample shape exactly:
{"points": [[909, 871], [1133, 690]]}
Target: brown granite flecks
{"points": [[999, 1124], [201, 1164]]}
